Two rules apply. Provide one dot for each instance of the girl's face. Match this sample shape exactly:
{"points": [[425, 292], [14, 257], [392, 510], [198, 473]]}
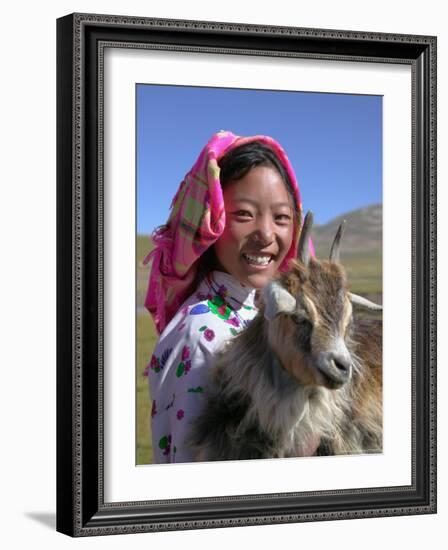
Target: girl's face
{"points": [[259, 227]]}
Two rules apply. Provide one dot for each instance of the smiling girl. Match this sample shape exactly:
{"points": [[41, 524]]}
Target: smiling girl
{"points": [[234, 223]]}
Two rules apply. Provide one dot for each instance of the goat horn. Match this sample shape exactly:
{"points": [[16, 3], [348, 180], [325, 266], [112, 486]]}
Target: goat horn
{"points": [[303, 250], [335, 247], [360, 301]]}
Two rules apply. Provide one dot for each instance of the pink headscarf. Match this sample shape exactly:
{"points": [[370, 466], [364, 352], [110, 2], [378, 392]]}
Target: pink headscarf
{"points": [[196, 221]]}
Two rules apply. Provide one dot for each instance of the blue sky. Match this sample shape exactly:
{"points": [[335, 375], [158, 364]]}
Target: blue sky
{"points": [[334, 142]]}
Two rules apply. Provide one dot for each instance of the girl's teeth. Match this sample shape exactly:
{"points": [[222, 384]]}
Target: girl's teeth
{"points": [[260, 260]]}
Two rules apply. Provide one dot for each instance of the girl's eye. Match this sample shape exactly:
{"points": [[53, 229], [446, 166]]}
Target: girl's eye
{"points": [[243, 213], [283, 217]]}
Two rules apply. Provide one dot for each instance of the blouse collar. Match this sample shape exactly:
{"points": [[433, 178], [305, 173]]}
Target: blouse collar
{"points": [[230, 289]]}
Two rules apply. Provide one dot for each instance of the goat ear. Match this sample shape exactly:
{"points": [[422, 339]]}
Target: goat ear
{"points": [[277, 300]]}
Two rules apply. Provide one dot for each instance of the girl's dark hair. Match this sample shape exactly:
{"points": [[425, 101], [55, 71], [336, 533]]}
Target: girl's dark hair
{"points": [[235, 164]]}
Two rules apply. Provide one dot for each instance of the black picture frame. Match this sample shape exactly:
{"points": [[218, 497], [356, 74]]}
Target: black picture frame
{"points": [[81, 510]]}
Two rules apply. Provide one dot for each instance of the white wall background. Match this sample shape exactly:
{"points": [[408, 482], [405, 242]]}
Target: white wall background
{"points": [[28, 273]]}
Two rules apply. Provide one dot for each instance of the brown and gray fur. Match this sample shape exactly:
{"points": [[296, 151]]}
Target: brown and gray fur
{"points": [[305, 377]]}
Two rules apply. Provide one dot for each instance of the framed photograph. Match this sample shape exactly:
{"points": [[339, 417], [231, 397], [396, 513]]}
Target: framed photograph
{"points": [[178, 409]]}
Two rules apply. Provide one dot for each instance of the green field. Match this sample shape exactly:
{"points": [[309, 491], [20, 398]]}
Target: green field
{"points": [[146, 338], [364, 273]]}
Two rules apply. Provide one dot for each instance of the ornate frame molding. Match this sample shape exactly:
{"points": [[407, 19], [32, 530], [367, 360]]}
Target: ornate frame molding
{"points": [[81, 42]]}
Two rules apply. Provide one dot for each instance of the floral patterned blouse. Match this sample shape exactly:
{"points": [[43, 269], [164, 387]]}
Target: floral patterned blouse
{"points": [[178, 369]]}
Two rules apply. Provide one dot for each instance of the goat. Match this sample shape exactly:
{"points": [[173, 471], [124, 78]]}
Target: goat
{"points": [[304, 378]]}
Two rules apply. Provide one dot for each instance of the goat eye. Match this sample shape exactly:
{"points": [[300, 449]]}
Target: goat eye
{"points": [[302, 321]]}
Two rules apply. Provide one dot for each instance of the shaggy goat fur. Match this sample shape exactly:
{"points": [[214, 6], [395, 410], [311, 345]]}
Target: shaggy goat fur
{"points": [[267, 398]]}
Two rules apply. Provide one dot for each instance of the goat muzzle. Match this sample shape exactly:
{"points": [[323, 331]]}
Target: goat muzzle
{"points": [[334, 370]]}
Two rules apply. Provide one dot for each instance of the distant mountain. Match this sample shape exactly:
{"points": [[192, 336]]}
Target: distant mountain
{"points": [[363, 232]]}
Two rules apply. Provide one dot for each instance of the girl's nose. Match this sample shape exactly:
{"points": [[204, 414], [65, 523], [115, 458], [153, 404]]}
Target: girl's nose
{"points": [[264, 233]]}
